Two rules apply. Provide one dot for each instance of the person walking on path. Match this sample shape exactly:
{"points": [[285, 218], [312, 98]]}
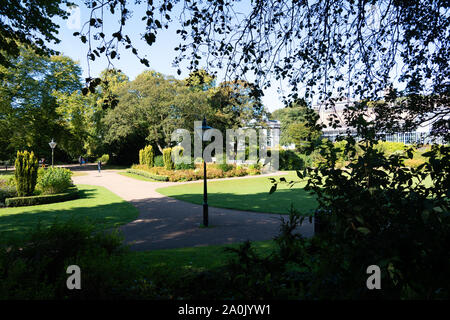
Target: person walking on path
{"points": [[79, 160], [99, 166]]}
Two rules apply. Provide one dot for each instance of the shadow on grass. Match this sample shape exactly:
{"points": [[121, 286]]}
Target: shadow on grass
{"points": [[86, 193], [278, 202], [17, 224], [167, 223]]}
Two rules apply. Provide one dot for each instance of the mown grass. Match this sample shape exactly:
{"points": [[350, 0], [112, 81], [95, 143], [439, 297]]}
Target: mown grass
{"points": [[250, 194], [97, 206], [170, 264]]}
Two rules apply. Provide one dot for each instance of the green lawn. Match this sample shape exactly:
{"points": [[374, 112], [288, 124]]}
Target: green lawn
{"points": [[97, 206], [195, 258], [250, 194], [170, 264], [6, 174]]}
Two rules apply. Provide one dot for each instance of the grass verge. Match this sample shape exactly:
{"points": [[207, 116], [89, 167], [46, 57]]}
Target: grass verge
{"points": [[246, 194], [96, 205]]}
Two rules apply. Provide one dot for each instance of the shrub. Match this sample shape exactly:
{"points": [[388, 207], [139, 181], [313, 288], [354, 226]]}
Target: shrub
{"points": [[389, 148], [104, 159], [185, 175], [71, 194], [379, 215], [167, 156], [236, 172], [290, 160], [7, 189], [159, 161], [54, 180], [225, 166], [146, 156], [26, 173], [148, 175], [36, 267], [185, 166]]}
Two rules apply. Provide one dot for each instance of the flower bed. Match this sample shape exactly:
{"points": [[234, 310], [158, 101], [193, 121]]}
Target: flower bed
{"points": [[213, 171]]}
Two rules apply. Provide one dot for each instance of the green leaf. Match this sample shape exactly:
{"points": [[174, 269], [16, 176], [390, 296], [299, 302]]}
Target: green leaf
{"points": [[363, 230]]}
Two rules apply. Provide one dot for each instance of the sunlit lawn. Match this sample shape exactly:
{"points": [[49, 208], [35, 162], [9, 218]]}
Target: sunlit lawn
{"points": [[6, 174], [97, 206], [250, 194]]}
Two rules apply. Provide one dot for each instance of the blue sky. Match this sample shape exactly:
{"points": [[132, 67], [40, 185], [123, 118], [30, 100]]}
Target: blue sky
{"points": [[160, 55]]}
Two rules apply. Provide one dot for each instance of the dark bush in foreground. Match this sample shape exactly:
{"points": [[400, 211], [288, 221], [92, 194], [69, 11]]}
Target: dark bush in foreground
{"points": [[36, 268]]}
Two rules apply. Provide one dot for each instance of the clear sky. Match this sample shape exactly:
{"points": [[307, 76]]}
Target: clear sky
{"points": [[160, 55]]}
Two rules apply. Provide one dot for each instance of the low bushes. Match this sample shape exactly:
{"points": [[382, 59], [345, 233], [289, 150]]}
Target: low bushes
{"points": [[185, 166], [148, 175], [159, 161], [36, 267], [213, 172], [7, 189], [71, 194], [290, 160], [54, 180]]}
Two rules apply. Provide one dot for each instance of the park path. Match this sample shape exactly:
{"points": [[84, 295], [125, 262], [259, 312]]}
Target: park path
{"points": [[165, 222]]}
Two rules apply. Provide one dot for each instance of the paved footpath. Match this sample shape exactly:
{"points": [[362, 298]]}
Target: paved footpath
{"points": [[165, 222]]}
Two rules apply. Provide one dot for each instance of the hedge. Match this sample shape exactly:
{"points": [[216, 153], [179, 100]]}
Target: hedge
{"points": [[71, 194], [148, 175]]}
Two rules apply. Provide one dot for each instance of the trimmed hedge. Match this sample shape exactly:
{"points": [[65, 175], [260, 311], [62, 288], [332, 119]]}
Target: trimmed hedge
{"points": [[148, 175], [72, 194]]}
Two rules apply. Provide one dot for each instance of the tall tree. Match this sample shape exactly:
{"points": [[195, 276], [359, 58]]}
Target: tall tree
{"points": [[29, 105], [322, 49]]}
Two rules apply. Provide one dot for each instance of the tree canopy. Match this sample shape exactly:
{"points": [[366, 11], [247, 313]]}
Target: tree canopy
{"points": [[323, 49]]}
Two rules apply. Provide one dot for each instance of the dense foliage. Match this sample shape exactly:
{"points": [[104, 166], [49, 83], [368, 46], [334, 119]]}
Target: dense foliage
{"points": [[146, 156], [36, 268], [54, 180], [26, 173], [7, 189], [167, 156]]}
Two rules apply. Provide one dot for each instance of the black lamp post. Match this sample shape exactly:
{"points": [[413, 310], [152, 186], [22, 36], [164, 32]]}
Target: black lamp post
{"points": [[52, 145], [204, 127]]}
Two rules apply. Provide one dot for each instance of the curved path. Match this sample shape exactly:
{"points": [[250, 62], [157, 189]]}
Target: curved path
{"points": [[165, 222]]}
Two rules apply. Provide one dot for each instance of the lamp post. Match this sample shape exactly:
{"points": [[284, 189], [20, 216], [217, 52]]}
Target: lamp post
{"points": [[204, 127], [52, 145]]}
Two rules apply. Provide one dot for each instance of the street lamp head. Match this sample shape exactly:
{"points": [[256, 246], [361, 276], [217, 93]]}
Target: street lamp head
{"points": [[52, 144], [204, 127]]}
